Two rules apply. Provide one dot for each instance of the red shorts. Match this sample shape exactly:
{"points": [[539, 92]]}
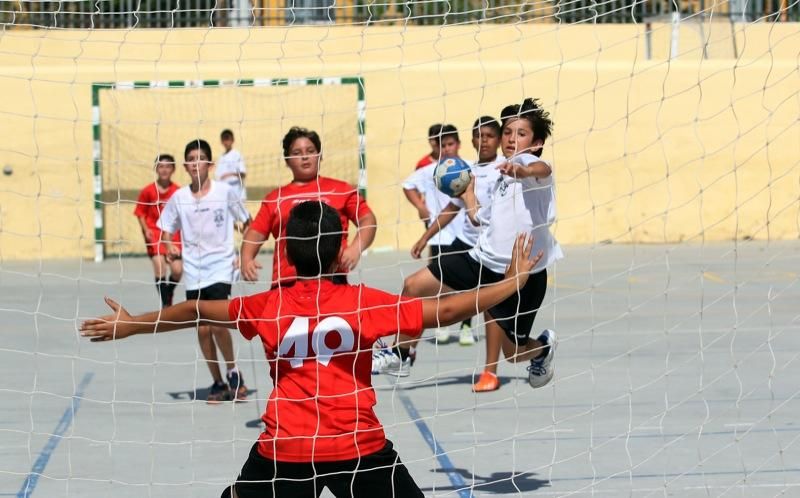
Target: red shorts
{"points": [[160, 248]]}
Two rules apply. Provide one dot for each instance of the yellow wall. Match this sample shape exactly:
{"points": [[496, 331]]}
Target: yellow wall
{"points": [[644, 150]]}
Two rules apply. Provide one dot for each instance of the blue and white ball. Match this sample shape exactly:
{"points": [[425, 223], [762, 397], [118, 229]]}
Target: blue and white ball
{"points": [[452, 176]]}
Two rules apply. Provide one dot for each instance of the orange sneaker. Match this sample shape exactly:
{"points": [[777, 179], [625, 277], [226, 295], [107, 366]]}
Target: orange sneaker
{"points": [[487, 382]]}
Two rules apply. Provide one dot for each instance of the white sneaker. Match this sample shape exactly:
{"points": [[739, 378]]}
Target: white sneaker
{"points": [[399, 368], [541, 370], [383, 359], [442, 335], [465, 337]]}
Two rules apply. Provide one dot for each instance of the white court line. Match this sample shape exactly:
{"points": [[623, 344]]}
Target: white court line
{"points": [[742, 424]]}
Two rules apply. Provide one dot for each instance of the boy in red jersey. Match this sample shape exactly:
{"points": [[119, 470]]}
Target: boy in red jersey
{"points": [[321, 429], [149, 207], [302, 150]]}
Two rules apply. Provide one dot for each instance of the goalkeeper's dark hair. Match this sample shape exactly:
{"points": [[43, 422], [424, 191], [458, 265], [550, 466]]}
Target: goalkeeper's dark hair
{"points": [[226, 135], [487, 121], [313, 238], [296, 132], [530, 110]]}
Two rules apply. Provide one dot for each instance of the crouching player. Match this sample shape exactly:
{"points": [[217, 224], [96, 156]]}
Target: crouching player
{"points": [[321, 429]]}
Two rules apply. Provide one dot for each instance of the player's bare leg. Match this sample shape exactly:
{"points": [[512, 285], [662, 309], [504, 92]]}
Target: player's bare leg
{"points": [[219, 390], [488, 380], [225, 344]]}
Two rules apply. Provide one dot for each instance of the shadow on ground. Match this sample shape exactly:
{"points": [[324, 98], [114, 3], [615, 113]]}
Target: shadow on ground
{"points": [[467, 380], [499, 483], [200, 394]]}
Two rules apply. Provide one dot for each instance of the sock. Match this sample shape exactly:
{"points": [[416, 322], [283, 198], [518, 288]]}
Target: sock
{"points": [[163, 291], [403, 353], [171, 284], [231, 370]]}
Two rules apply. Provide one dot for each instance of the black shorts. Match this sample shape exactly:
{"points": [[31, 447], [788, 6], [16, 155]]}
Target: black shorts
{"points": [[379, 475], [515, 315], [213, 292], [457, 246]]}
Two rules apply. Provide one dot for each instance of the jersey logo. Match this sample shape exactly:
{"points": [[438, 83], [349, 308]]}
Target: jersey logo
{"points": [[296, 340], [503, 186], [219, 217]]}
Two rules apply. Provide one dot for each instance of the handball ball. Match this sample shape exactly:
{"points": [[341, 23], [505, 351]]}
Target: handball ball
{"points": [[452, 176]]}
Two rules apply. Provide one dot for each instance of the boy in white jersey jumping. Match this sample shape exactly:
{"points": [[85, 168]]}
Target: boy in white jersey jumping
{"points": [[205, 213], [522, 200]]}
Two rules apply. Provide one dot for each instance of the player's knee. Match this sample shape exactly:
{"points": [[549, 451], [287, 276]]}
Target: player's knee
{"points": [[420, 284], [410, 285]]}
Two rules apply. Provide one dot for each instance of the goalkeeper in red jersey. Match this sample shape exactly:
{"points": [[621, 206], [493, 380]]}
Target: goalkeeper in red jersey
{"points": [[321, 429]]}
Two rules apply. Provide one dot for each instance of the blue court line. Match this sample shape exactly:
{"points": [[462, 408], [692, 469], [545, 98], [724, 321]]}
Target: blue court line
{"points": [[444, 461], [66, 420]]}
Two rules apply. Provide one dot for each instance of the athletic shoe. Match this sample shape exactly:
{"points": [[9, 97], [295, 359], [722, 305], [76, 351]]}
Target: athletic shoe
{"points": [[541, 370], [400, 368], [217, 393], [237, 387], [486, 382], [465, 337], [384, 359], [412, 353], [442, 335]]}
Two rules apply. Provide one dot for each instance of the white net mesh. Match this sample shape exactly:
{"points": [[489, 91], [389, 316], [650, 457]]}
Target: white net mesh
{"points": [[675, 153]]}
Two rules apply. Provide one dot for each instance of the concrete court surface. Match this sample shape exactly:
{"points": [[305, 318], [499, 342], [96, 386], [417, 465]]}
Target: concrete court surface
{"points": [[677, 375]]}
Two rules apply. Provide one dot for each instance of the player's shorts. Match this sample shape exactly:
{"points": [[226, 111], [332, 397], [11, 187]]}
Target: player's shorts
{"points": [[213, 292], [457, 246], [160, 248], [379, 475], [460, 271]]}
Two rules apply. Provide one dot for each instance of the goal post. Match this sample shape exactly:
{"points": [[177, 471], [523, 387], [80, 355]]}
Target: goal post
{"points": [[133, 121]]}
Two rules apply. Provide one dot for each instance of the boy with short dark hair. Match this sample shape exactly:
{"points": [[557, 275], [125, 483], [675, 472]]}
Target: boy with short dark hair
{"points": [[321, 429], [302, 151], [230, 167], [149, 206], [205, 212]]}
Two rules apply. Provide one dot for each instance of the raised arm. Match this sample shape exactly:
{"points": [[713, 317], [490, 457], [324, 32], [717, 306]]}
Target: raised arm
{"points": [[462, 305], [535, 169], [188, 314], [471, 202]]}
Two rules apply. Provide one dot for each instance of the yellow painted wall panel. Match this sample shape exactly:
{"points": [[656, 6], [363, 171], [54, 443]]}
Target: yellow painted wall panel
{"points": [[644, 150]]}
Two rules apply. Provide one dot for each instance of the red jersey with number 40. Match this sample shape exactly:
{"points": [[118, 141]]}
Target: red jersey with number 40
{"points": [[274, 213], [318, 339]]}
